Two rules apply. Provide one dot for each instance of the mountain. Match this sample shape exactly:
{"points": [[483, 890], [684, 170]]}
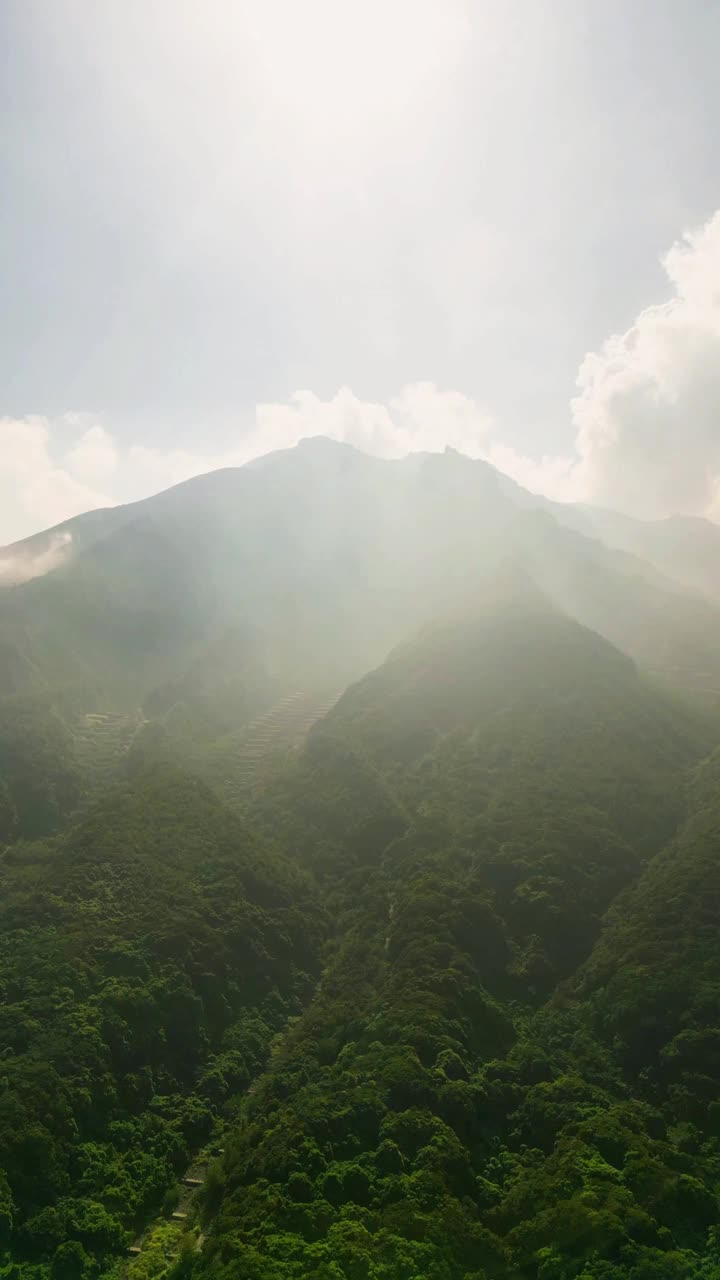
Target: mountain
{"points": [[205, 608], [683, 548], [303, 569], [356, 826]]}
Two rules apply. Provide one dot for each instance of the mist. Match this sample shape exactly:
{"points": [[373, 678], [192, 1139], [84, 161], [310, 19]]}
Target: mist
{"points": [[359, 640], [17, 567]]}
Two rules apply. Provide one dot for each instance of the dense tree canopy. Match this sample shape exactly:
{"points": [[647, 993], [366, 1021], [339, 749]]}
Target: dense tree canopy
{"points": [[447, 983], [147, 958], [431, 1115]]}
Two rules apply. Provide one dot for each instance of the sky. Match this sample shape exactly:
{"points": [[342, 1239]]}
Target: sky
{"points": [[490, 224]]}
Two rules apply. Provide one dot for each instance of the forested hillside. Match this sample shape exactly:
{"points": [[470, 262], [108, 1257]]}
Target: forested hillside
{"points": [[431, 1114], [147, 958], [343, 836]]}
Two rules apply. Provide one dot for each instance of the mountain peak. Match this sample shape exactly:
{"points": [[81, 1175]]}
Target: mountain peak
{"points": [[325, 444]]}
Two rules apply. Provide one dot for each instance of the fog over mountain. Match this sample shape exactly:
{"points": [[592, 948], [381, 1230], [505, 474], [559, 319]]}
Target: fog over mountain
{"points": [[359, 640], [320, 558]]}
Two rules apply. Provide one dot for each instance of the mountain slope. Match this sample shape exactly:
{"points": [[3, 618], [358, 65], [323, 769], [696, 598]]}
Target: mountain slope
{"points": [[654, 977], [473, 807], [617, 1083], [302, 570], [682, 548], [146, 960]]}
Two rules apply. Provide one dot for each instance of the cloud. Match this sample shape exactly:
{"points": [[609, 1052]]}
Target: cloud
{"points": [[646, 416], [38, 490], [648, 409], [646, 413], [94, 458], [553, 475], [24, 564], [422, 417], [43, 483]]}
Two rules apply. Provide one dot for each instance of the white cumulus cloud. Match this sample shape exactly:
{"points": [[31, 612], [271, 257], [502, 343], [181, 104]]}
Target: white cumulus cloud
{"points": [[38, 488], [648, 409], [422, 417], [94, 457]]}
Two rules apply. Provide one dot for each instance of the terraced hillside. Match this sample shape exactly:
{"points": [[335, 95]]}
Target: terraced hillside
{"points": [[236, 764], [233, 765]]}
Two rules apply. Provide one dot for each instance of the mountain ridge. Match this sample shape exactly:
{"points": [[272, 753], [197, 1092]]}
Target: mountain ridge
{"points": [[583, 517], [328, 557]]}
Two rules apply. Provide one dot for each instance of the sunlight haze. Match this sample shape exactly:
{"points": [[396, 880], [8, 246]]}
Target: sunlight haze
{"points": [[360, 640], [406, 225]]}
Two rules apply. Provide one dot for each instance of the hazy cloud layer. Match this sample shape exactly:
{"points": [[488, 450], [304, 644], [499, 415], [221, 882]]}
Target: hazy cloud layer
{"points": [[647, 421], [20, 566]]}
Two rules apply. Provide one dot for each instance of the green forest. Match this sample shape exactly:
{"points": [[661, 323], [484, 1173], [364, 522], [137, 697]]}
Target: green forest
{"points": [[445, 993], [399, 968]]}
